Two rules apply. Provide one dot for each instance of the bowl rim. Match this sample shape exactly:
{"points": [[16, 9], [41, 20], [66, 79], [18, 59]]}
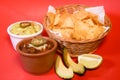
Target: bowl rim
{"points": [[24, 36], [39, 54]]}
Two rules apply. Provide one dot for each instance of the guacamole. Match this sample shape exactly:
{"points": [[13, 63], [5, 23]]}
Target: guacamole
{"points": [[25, 28]]}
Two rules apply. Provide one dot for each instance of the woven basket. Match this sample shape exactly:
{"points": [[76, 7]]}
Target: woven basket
{"points": [[76, 48]]}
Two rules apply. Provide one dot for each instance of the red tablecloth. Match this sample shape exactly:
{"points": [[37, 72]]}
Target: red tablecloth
{"points": [[15, 10]]}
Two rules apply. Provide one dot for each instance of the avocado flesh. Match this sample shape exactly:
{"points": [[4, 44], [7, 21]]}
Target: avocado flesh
{"points": [[77, 67], [62, 71]]}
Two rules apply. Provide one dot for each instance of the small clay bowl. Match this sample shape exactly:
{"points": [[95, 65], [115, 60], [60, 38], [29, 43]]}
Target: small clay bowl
{"points": [[40, 62]]}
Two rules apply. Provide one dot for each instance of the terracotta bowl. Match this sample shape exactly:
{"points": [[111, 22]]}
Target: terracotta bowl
{"points": [[38, 63]]}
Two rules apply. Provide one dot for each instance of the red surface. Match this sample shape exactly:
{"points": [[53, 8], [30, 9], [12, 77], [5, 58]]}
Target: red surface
{"points": [[15, 10]]}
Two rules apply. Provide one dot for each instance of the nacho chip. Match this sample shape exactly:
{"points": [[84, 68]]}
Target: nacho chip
{"points": [[80, 25], [65, 32], [80, 30], [50, 18], [63, 20], [80, 14]]}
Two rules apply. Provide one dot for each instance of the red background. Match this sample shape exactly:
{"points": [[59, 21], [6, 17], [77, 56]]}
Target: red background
{"points": [[15, 10]]}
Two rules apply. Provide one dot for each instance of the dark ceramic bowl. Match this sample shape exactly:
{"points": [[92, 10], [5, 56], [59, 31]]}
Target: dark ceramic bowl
{"points": [[37, 63]]}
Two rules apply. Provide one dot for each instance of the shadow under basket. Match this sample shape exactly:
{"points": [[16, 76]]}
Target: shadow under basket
{"points": [[76, 48]]}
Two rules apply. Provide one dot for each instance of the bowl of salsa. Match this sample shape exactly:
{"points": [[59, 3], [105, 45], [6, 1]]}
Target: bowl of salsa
{"points": [[37, 54]]}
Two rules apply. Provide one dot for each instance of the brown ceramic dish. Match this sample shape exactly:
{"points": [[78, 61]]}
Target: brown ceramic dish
{"points": [[40, 62]]}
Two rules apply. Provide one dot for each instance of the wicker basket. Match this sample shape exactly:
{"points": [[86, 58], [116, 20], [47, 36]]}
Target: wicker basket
{"points": [[76, 48]]}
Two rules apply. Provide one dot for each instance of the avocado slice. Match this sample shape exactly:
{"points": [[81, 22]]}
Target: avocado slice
{"points": [[77, 67], [61, 70]]}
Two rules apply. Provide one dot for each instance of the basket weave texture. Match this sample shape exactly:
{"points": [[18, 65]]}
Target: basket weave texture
{"points": [[76, 48]]}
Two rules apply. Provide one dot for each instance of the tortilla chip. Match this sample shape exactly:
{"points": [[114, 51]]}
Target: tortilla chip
{"points": [[57, 19], [50, 18], [80, 25], [80, 14], [80, 30], [65, 32]]}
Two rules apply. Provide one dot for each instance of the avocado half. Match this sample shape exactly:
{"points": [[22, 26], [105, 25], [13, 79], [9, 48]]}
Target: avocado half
{"points": [[76, 67], [61, 70]]}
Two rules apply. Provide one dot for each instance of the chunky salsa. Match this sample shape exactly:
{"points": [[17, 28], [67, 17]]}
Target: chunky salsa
{"points": [[36, 45]]}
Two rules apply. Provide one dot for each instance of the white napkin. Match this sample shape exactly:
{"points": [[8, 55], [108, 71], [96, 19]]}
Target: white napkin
{"points": [[51, 9], [99, 10]]}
